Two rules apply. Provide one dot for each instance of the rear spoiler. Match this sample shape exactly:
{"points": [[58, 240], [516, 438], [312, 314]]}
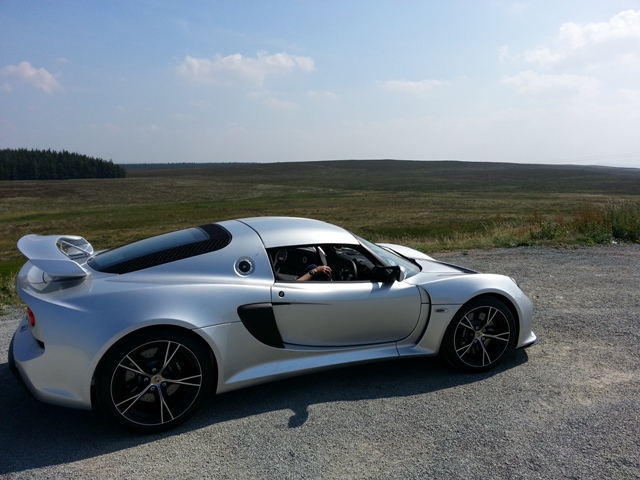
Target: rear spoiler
{"points": [[57, 255]]}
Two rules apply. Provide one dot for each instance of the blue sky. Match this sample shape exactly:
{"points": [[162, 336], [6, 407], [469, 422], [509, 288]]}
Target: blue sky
{"points": [[544, 81]]}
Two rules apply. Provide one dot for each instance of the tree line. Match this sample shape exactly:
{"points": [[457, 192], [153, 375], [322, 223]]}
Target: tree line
{"points": [[23, 164]]}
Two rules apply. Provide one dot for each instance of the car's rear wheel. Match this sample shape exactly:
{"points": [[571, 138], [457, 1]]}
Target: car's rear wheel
{"points": [[154, 380], [480, 335]]}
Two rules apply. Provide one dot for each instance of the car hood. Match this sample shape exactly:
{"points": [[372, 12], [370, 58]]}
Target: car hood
{"points": [[434, 272], [435, 267], [430, 268]]}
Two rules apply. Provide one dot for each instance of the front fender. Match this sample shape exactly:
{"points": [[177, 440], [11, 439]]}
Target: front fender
{"points": [[450, 293], [459, 289]]}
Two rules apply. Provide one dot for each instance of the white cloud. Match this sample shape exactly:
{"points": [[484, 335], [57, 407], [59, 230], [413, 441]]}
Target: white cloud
{"points": [[152, 129], [272, 100], [620, 36], [184, 117], [413, 87], [230, 69], [39, 78], [629, 95], [532, 82], [326, 95], [621, 26], [199, 104], [278, 104]]}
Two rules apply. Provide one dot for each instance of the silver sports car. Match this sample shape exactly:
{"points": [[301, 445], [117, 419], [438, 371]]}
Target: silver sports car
{"points": [[145, 330]]}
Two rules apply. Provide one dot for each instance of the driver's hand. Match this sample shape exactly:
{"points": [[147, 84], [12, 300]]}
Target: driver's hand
{"points": [[322, 270]]}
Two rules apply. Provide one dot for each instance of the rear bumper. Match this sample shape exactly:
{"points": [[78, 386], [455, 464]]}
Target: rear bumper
{"points": [[12, 365], [33, 368]]}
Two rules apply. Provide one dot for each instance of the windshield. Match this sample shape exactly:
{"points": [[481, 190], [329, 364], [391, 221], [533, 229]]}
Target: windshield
{"points": [[391, 258]]}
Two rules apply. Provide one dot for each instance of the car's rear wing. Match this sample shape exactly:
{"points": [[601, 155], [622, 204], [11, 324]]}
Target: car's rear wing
{"points": [[57, 255]]}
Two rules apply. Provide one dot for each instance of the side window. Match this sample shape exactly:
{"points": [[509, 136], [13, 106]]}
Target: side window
{"points": [[291, 263], [338, 263], [349, 263]]}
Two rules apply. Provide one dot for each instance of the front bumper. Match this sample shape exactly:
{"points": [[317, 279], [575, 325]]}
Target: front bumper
{"points": [[531, 341]]}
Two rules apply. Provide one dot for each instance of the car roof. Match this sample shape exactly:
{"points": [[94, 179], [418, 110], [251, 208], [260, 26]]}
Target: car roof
{"points": [[286, 231]]}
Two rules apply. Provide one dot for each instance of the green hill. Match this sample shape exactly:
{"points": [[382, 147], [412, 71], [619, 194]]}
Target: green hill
{"points": [[414, 176]]}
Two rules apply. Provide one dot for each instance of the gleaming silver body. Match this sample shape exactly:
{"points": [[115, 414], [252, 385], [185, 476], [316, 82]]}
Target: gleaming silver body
{"points": [[81, 313]]}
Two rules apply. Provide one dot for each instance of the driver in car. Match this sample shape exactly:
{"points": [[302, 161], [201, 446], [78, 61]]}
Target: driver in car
{"points": [[312, 272]]}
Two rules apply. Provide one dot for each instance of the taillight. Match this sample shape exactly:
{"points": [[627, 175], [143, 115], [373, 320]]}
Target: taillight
{"points": [[32, 317]]}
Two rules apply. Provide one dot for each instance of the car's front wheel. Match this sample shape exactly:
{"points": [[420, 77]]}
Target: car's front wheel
{"points": [[154, 380], [480, 335]]}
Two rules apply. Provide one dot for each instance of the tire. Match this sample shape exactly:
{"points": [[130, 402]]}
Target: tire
{"points": [[154, 380], [481, 333]]}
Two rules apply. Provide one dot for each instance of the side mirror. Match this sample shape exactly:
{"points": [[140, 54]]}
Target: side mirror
{"points": [[402, 273], [390, 274]]}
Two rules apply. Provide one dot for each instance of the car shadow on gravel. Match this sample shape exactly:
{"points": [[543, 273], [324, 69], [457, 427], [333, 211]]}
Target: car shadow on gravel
{"points": [[36, 435]]}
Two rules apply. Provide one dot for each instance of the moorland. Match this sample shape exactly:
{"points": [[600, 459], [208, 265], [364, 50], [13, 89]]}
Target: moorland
{"points": [[432, 206]]}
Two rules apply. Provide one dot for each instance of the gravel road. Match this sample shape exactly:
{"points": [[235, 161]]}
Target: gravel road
{"points": [[566, 408]]}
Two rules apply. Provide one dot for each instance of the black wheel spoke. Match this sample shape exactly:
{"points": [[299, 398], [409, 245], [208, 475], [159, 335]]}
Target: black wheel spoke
{"points": [[466, 323], [164, 406], [466, 349], [186, 381], [485, 355], [168, 358], [503, 337], [137, 369], [491, 314], [130, 402]]}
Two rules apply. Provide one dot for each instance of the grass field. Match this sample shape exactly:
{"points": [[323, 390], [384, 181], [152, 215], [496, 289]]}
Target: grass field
{"points": [[432, 206]]}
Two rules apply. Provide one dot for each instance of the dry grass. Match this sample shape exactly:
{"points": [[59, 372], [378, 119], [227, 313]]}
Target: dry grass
{"points": [[433, 206]]}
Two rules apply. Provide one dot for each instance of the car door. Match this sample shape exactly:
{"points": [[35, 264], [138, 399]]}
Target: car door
{"points": [[336, 314]]}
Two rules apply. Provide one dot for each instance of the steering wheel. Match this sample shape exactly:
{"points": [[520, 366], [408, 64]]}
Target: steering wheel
{"points": [[348, 271]]}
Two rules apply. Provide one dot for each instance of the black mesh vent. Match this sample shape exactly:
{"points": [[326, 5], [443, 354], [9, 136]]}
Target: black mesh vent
{"points": [[219, 238]]}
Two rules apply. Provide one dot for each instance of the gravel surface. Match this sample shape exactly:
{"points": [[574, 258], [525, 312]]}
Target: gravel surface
{"points": [[566, 408]]}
